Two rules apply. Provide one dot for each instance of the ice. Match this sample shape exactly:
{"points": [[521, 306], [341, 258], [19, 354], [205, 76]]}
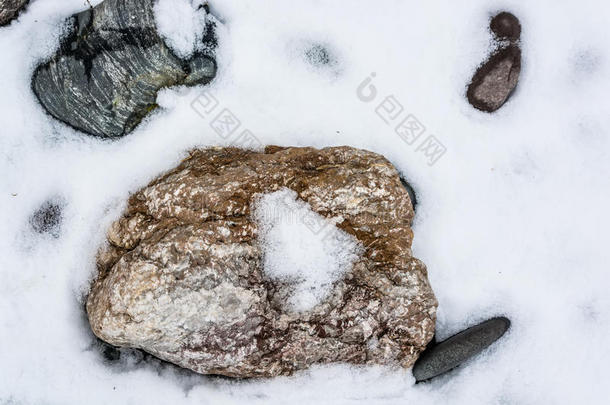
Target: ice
{"points": [[511, 220], [182, 24], [302, 248]]}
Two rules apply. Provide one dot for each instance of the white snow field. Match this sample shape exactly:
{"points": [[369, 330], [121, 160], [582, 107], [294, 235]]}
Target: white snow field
{"points": [[512, 219]]}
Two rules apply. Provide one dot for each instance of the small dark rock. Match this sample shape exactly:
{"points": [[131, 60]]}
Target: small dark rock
{"points": [[449, 354], [47, 218], [506, 26], [9, 9], [496, 79], [105, 77], [494, 82]]}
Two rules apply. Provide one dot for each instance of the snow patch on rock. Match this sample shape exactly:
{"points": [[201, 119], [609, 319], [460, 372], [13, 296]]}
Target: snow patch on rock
{"points": [[182, 24], [302, 247]]}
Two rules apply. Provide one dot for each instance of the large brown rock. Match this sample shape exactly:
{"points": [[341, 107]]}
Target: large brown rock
{"points": [[182, 275]]}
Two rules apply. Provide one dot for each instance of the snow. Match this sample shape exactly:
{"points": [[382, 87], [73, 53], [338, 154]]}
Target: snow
{"points": [[302, 248], [181, 23], [512, 219]]}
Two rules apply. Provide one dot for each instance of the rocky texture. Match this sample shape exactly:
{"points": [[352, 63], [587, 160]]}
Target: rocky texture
{"points": [[9, 10], [411, 192], [105, 77], [450, 353], [182, 277], [496, 79]]}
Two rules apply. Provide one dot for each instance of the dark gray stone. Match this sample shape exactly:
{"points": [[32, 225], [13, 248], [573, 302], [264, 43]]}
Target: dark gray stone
{"points": [[449, 354], [506, 26], [496, 79], [105, 77], [9, 9]]}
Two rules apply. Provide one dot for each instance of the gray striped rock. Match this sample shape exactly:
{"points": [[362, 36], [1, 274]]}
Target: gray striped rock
{"points": [[105, 77], [9, 10]]}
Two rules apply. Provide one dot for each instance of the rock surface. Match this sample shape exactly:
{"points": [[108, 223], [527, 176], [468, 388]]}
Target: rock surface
{"points": [[9, 10], [442, 357], [105, 77], [411, 192], [496, 79], [182, 277]]}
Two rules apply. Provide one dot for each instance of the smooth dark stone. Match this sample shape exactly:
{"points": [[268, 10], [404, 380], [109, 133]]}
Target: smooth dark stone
{"points": [[442, 357], [494, 82], [47, 219], [105, 77], [506, 26], [9, 9]]}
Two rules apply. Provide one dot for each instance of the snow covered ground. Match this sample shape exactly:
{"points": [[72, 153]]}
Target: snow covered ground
{"points": [[512, 218]]}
